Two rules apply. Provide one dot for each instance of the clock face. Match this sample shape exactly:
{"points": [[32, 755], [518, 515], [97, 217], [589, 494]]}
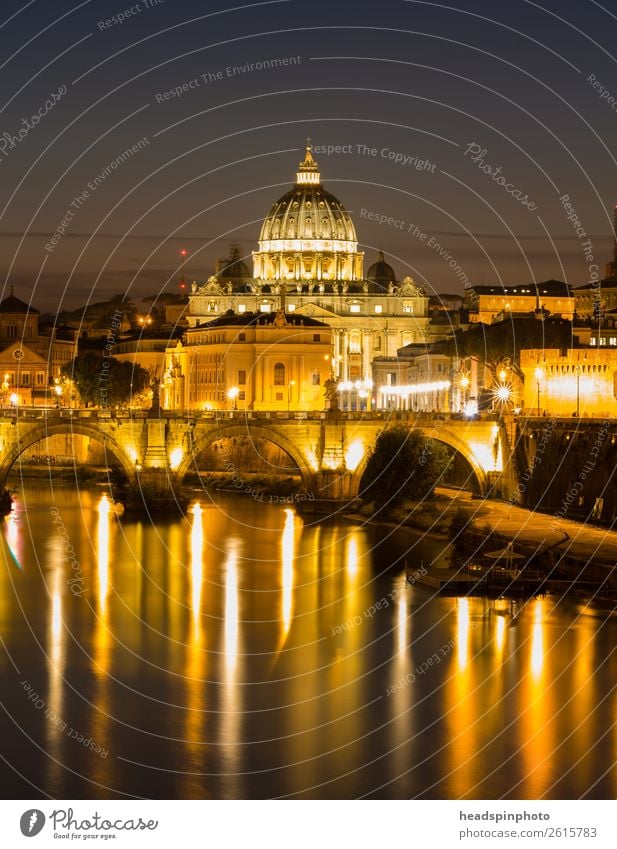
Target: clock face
{"points": [[18, 353]]}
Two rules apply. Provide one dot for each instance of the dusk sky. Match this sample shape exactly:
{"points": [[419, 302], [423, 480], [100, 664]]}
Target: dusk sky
{"points": [[384, 80]]}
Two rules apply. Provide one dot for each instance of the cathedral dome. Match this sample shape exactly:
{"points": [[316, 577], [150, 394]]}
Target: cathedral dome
{"points": [[380, 272], [307, 213]]}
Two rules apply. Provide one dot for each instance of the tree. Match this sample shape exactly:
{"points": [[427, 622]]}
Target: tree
{"points": [[403, 465], [105, 381], [494, 343]]}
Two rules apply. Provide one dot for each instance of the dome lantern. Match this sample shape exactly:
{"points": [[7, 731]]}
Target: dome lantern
{"points": [[308, 170]]}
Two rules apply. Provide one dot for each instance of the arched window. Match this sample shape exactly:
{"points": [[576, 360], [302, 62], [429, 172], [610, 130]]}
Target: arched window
{"points": [[279, 374]]}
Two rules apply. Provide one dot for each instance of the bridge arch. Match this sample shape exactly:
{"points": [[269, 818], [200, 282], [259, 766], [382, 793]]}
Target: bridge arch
{"points": [[214, 434], [447, 438], [36, 433]]}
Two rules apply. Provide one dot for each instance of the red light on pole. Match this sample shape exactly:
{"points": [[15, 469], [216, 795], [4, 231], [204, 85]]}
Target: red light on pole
{"points": [[182, 287]]}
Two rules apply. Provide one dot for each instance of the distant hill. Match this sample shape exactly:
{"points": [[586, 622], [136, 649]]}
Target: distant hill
{"points": [[97, 315]]}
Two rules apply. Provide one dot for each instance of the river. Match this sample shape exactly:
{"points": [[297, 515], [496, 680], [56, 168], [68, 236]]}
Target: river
{"points": [[243, 652]]}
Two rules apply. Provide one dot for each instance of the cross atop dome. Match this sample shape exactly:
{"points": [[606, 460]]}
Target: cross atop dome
{"points": [[308, 170]]}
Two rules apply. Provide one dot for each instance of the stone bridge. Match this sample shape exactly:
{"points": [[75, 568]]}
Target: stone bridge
{"points": [[330, 450]]}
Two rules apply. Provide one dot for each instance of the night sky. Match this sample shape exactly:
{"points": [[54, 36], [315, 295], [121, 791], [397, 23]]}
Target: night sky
{"points": [[423, 80]]}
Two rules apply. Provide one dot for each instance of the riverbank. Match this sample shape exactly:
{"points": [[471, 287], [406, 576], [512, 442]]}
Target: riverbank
{"points": [[574, 549]]}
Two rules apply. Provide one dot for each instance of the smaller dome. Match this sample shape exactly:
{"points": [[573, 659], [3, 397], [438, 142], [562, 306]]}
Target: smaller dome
{"points": [[380, 272], [234, 267]]}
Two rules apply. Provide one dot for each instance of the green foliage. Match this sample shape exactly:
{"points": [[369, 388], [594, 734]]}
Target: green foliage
{"points": [[504, 340], [106, 382], [459, 523], [403, 465]]}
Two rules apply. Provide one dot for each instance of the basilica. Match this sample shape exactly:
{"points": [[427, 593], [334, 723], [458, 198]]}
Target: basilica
{"points": [[307, 265]]}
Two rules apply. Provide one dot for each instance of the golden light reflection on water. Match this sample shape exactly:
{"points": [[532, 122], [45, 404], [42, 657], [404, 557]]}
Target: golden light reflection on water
{"points": [[538, 719], [462, 632], [500, 634], [231, 690], [537, 642], [287, 563], [102, 655], [352, 554], [462, 705], [500, 696], [197, 569], [403, 618], [231, 623], [56, 642], [102, 552], [196, 655]]}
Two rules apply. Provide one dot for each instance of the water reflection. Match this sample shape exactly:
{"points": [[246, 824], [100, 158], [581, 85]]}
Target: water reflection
{"points": [[537, 642], [102, 552], [462, 636], [197, 568], [176, 660], [287, 561]]}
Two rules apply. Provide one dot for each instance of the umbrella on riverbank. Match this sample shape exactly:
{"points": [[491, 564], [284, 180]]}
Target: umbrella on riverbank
{"points": [[507, 555]]}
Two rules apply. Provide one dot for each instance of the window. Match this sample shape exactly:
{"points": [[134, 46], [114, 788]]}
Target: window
{"points": [[242, 395], [40, 378], [279, 396], [378, 343], [25, 378], [241, 308], [354, 307], [264, 308], [592, 341], [279, 376], [316, 337], [602, 340], [408, 307], [291, 307], [241, 377], [378, 308], [241, 337], [11, 331], [316, 378], [354, 343]]}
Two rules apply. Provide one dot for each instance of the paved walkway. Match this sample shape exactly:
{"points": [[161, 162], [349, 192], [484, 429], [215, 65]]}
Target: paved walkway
{"points": [[587, 542]]}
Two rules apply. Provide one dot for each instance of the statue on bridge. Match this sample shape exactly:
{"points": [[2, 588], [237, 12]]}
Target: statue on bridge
{"points": [[330, 391], [155, 410]]}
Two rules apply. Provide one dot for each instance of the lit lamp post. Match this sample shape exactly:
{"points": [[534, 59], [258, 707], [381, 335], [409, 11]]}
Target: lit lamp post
{"points": [[58, 393], [232, 394], [464, 384], [539, 375]]}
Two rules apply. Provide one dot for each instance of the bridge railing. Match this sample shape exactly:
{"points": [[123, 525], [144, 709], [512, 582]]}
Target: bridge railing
{"points": [[96, 414]]}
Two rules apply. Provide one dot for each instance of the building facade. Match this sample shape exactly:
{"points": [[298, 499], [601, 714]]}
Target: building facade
{"points": [[487, 304], [250, 361], [577, 381], [31, 361]]}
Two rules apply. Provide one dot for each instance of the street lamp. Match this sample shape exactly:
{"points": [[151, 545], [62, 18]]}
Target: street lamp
{"points": [[539, 375], [291, 383], [464, 384], [232, 394]]}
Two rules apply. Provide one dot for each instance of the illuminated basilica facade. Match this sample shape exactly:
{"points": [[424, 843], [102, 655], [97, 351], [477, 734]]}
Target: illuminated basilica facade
{"points": [[308, 263]]}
